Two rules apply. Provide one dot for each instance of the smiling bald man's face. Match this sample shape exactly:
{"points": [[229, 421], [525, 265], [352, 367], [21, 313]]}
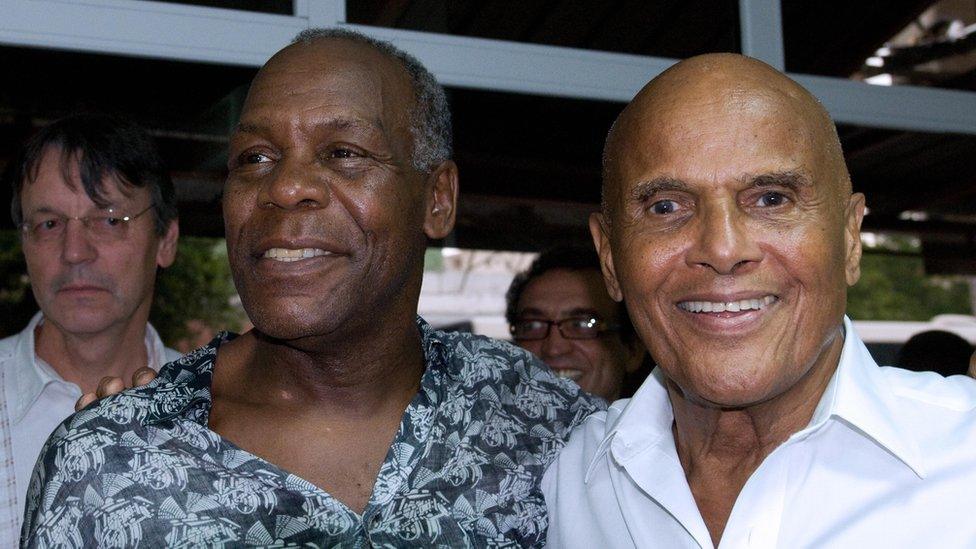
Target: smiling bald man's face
{"points": [[729, 229]]}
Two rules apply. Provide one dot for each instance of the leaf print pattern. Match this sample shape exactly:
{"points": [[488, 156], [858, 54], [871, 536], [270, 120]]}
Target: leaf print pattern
{"points": [[142, 468]]}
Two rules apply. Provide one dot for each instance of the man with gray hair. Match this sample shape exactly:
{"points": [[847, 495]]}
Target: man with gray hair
{"points": [[97, 217], [341, 419]]}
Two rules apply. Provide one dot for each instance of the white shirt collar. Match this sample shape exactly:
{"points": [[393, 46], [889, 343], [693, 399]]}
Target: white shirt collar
{"points": [[857, 395], [28, 374]]}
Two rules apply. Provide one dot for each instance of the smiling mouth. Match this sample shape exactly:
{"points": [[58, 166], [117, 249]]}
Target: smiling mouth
{"points": [[727, 306], [568, 373], [287, 255]]}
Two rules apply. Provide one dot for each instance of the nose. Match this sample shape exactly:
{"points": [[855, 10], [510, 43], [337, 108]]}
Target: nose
{"points": [[77, 246], [724, 242], [554, 344], [295, 185]]}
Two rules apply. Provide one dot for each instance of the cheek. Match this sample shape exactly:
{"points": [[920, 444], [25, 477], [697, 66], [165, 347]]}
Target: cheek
{"points": [[531, 346], [646, 269]]}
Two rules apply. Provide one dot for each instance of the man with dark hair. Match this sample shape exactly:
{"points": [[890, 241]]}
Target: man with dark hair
{"points": [[559, 309], [341, 419], [939, 351], [96, 213]]}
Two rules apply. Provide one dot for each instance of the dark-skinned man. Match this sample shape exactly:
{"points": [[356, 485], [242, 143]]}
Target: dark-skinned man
{"points": [[341, 419], [730, 231]]}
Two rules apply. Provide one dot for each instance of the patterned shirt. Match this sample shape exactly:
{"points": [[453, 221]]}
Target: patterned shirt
{"points": [[464, 469]]}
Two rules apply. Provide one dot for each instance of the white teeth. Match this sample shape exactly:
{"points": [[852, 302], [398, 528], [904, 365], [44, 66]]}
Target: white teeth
{"points": [[288, 254], [731, 306], [569, 374]]}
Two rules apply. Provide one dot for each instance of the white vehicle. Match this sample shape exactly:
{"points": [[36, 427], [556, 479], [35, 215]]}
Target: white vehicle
{"points": [[885, 337]]}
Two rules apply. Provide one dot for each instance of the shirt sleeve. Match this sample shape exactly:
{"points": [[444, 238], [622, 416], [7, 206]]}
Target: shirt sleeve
{"points": [[58, 498]]}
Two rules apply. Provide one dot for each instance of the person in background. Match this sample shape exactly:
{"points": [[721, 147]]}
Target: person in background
{"points": [[559, 310], [937, 351], [96, 212]]}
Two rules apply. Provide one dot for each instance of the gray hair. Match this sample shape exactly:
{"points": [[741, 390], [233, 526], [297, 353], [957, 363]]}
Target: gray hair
{"points": [[430, 118]]}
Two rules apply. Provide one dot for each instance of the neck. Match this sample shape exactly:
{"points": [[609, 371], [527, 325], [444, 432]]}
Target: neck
{"points": [[350, 375], [720, 448], [84, 359]]}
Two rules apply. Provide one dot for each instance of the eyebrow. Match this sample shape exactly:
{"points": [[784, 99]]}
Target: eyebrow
{"points": [[646, 189], [579, 311], [57, 211], [791, 179], [336, 124]]}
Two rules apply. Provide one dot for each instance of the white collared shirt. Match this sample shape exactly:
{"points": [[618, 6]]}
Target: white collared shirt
{"points": [[888, 460], [35, 400]]}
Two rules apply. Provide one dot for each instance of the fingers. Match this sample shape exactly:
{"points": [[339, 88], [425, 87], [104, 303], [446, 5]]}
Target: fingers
{"points": [[143, 376], [108, 386], [85, 400]]}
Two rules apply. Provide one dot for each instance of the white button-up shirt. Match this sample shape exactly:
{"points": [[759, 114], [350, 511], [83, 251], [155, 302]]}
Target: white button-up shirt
{"points": [[888, 460], [35, 400]]}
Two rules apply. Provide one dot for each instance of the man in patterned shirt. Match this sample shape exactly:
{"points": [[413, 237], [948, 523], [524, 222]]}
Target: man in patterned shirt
{"points": [[342, 418]]}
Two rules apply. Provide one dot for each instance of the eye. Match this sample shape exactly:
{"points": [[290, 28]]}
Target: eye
{"points": [[583, 323], [771, 199], [108, 221], [532, 324], [664, 207], [254, 158], [341, 152], [48, 224]]}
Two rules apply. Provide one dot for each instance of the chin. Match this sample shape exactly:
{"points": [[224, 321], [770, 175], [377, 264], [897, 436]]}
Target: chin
{"points": [[80, 323], [724, 386], [292, 323]]}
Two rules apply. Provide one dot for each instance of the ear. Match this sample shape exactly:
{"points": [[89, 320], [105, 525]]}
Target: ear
{"points": [[440, 207], [166, 251], [601, 240], [852, 238]]}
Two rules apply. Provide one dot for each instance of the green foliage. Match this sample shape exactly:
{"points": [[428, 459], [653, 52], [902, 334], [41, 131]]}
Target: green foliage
{"points": [[895, 287], [198, 286], [17, 303]]}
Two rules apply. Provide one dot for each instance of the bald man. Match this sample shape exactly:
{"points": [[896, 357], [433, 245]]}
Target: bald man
{"points": [[730, 231]]}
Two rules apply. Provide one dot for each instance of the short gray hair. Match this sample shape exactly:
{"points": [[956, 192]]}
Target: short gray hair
{"points": [[430, 118]]}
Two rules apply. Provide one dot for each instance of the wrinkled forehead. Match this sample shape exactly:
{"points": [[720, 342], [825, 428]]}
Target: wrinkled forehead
{"points": [[568, 292], [719, 126], [334, 74], [721, 106]]}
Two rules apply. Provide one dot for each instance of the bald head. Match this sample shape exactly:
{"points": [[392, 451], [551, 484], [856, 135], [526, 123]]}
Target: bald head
{"points": [[733, 87], [730, 230]]}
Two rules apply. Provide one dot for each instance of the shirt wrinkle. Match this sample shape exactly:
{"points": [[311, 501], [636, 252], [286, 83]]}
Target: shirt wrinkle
{"points": [[872, 466]]}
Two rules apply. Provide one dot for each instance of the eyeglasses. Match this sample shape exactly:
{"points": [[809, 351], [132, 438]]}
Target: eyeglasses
{"points": [[109, 225], [580, 327]]}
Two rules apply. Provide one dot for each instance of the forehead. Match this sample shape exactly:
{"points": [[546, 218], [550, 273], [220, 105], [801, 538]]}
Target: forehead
{"points": [[703, 138], [56, 183], [329, 78], [560, 291]]}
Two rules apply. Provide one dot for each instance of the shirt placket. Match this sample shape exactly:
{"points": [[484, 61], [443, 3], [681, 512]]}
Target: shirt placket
{"points": [[395, 473]]}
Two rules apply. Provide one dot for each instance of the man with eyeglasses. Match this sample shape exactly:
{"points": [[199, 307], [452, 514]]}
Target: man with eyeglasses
{"points": [[96, 212], [559, 310]]}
